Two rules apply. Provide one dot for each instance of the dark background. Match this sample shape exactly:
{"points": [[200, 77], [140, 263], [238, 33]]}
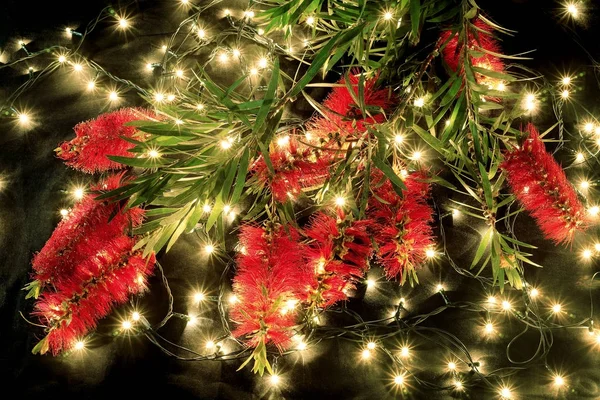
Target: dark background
{"points": [[35, 191]]}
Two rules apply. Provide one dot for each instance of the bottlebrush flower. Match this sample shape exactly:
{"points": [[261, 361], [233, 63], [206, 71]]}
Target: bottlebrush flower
{"points": [[482, 39], [542, 188], [295, 169], [270, 277], [82, 233], [402, 229], [338, 252], [343, 117], [74, 307], [101, 137]]}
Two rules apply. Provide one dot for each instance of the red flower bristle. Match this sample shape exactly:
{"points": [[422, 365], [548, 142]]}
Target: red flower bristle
{"points": [[101, 137], [541, 186], [270, 272], [483, 39], [402, 225], [295, 169], [338, 253], [343, 115]]}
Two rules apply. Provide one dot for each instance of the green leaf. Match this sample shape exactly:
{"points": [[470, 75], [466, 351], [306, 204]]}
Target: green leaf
{"points": [[387, 170], [415, 19], [268, 99], [485, 240], [241, 176]]}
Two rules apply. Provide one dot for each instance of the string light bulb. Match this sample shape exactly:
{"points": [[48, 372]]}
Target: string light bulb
{"points": [[209, 249], [594, 211], [340, 201], [64, 212], [580, 157], [210, 345], [126, 325], [556, 308], [506, 306], [559, 381], [77, 67], [439, 288], [588, 127], [199, 296], [405, 351], [505, 393], [274, 379], [491, 300], [566, 80], [113, 96], [586, 254], [398, 139], [584, 185], [573, 10], [366, 354], [458, 385], [489, 328], [370, 283], [565, 94], [534, 293], [371, 345], [135, 316], [62, 59], [452, 366], [430, 253], [263, 62], [24, 119], [310, 20], [419, 102], [233, 299], [123, 23], [91, 85], [399, 380], [78, 193], [79, 345]]}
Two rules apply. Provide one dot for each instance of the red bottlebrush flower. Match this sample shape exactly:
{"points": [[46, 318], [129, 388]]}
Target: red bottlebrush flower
{"points": [[102, 137], [295, 169], [542, 187], [271, 277], [98, 284], [402, 228], [453, 52], [345, 117], [82, 232], [338, 252]]}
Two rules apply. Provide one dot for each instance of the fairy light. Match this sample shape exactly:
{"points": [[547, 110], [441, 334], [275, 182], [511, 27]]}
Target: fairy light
{"points": [[559, 381], [420, 102], [398, 139], [573, 10], [62, 59], [388, 15], [506, 306], [597, 247], [223, 58], [310, 20], [586, 254], [439, 288], [233, 299], [416, 156], [170, 97], [501, 87], [209, 249], [80, 345], [210, 345], [199, 296], [399, 380], [452, 366], [113, 96], [91, 85], [530, 102], [178, 122], [405, 352], [236, 53], [227, 12], [489, 328], [159, 97], [301, 346], [253, 71], [192, 320], [371, 345], [366, 354], [164, 48], [274, 380], [201, 33], [455, 212], [566, 80], [179, 73], [199, 106], [263, 62], [78, 193], [594, 211], [64, 212], [458, 385], [226, 208], [588, 127], [491, 300], [370, 283], [206, 208], [126, 324], [580, 157], [77, 67], [260, 31], [340, 201], [534, 293], [565, 94], [136, 316], [584, 185], [225, 144], [505, 393], [556, 308], [283, 141], [123, 23], [24, 119], [430, 253], [249, 14]]}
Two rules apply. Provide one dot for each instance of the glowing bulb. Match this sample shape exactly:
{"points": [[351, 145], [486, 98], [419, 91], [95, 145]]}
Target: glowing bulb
{"points": [[310, 20], [24, 119], [184, 1], [225, 144], [227, 12], [163, 47], [506, 306], [556, 308], [491, 300], [263, 62], [451, 366], [233, 299], [573, 10], [80, 345], [501, 87], [404, 352], [261, 31], [159, 97], [64, 212], [370, 283], [455, 212], [178, 122], [274, 379], [597, 246], [584, 185], [249, 14], [398, 139], [283, 141], [210, 345], [579, 158], [199, 296], [301, 346], [399, 380], [123, 23], [179, 73], [416, 155], [223, 58], [366, 354], [126, 324], [566, 80], [587, 254], [439, 288], [200, 106], [588, 127], [388, 16], [91, 85], [135, 316], [209, 249], [201, 33], [192, 320], [371, 345], [253, 71], [69, 31], [206, 208], [78, 193], [340, 201], [226, 208], [489, 328], [77, 68], [62, 59], [534, 293], [565, 94], [430, 253], [236, 53], [113, 96], [458, 385], [594, 211], [505, 393], [559, 381], [420, 102]]}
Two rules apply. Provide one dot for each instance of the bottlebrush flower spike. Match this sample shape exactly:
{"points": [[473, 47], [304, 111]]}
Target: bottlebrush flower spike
{"points": [[271, 275], [295, 169], [402, 228], [343, 117], [453, 52], [81, 233], [338, 252], [96, 139], [75, 306], [542, 187]]}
